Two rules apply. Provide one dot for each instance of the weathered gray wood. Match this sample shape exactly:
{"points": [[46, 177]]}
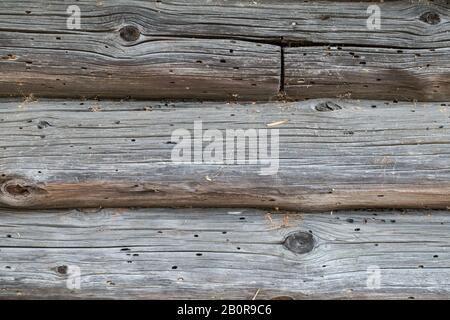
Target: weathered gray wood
{"points": [[223, 254], [346, 154], [97, 65], [404, 23], [146, 49], [367, 73]]}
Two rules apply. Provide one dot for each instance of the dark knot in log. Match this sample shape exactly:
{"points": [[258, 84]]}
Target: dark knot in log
{"points": [[327, 106], [430, 18], [299, 242], [130, 33], [17, 193]]}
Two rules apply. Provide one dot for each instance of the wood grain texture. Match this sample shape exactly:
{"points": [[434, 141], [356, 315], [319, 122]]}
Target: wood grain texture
{"points": [[332, 155], [367, 73], [223, 254], [97, 66], [224, 50], [413, 24]]}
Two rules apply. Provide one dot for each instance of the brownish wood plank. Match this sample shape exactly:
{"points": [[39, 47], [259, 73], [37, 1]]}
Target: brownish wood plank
{"points": [[367, 73], [95, 66]]}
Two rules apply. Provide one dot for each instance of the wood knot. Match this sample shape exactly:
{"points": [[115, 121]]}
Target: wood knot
{"points": [[16, 189], [299, 242], [62, 269], [430, 18], [18, 192], [327, 106], [43, 124], [130, 33]]}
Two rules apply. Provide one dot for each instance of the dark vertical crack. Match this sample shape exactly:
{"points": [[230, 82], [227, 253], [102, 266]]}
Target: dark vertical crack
{"points": [[282, 70]]}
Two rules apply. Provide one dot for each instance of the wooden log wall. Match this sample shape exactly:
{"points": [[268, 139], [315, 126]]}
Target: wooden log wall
{"points": [[86, 123]]}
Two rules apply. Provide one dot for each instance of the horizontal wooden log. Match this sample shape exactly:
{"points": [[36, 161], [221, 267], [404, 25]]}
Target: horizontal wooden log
{"points": [[94, 66], [223, 254], [224, 51], [367, 73], [332, 155], [413, 24]]}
